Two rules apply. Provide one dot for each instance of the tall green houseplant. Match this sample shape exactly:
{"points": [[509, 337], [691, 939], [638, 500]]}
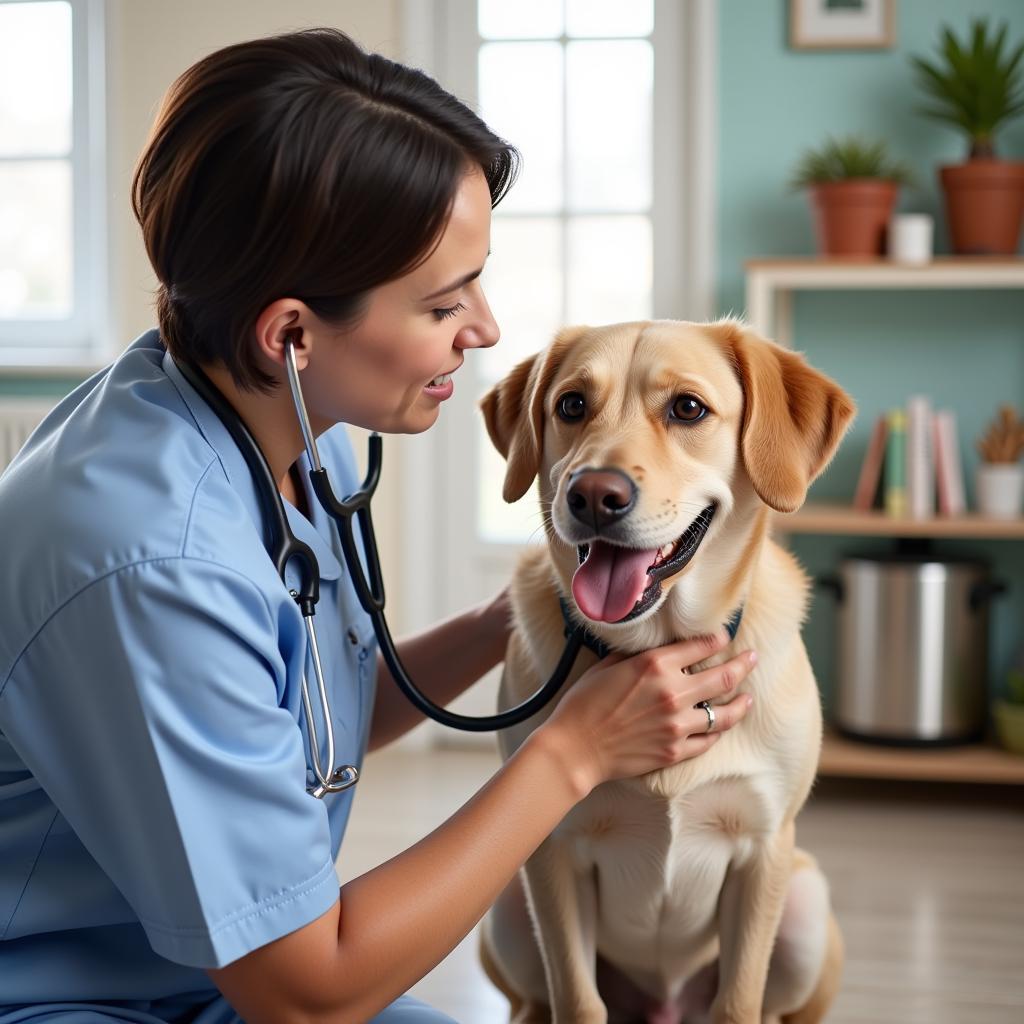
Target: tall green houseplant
{"points": [[976, 85]]}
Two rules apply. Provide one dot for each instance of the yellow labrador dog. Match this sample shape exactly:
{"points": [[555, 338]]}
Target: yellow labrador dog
{"points": [[661, 449]]}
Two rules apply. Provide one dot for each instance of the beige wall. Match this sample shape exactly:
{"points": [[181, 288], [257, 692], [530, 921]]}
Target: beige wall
{"points": [[150, 42]]}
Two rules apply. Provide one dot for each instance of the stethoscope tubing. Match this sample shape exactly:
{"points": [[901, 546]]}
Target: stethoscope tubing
{"points": [[369, 585], [284, 548]]}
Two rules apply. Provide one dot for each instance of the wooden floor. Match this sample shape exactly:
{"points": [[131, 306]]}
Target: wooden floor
{"points": [[927, 881]]}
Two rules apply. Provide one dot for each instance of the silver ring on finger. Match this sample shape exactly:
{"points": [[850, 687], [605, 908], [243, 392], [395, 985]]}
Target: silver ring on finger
{"points": [[710, 711]]}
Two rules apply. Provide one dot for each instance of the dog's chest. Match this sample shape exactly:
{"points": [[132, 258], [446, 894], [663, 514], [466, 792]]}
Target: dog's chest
{"points": [[659, 863]]}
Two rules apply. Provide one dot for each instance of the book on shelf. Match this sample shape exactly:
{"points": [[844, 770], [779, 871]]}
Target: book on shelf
{"points": [[895, 467], [920, 459], [948, 467], [871, 468]]}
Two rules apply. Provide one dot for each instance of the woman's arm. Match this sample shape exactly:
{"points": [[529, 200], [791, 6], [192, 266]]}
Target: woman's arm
{"points": [[443, 661], [395, 923], [392, 925]]}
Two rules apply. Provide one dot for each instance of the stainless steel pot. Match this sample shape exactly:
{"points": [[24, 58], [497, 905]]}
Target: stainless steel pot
{"points": [[912, 655]]}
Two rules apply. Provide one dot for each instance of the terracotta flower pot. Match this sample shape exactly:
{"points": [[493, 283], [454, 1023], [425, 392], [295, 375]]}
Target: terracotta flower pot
{"points": [[850, 217], [984, 205]]}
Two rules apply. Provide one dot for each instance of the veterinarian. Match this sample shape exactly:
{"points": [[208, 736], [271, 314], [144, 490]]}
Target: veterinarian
{"points": [[161, 856]]}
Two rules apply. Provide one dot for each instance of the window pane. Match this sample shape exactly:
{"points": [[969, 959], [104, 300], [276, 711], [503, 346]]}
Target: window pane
{"points": [[609, 17], [521, 99], [35, 79], [610, 87], [523, 283], [520, 19], [609, 269], [35, 240]]}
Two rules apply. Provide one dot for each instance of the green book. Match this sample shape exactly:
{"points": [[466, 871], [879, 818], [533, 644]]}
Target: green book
{"points": [[896, 465]]}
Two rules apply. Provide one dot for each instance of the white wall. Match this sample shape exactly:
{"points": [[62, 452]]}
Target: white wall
{"points": [[149, 43]]}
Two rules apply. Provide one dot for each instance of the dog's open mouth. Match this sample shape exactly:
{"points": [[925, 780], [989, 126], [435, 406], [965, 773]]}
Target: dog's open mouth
{"points": [[616, 584]]}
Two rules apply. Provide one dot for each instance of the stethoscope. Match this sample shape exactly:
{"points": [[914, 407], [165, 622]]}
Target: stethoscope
{"points": [[284, 547]]}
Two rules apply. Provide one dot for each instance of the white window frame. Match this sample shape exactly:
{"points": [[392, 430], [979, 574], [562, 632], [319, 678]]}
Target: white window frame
{"points": [[81, 339], [438, 538]]}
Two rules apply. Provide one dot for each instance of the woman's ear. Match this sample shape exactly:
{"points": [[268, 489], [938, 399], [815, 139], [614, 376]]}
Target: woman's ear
{"points": [[514, 413], [793, 417], [283, 320]]}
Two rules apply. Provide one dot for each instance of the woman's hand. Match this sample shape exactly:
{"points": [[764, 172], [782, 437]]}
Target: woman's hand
{"points": [[628, 716]]}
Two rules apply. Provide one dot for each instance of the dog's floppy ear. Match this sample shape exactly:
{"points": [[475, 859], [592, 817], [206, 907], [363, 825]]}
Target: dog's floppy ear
{"points": [[793, 418], [514, 413]]}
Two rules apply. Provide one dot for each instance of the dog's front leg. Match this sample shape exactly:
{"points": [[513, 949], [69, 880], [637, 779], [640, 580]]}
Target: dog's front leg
{"points": [[563, 904], [750, 908]]}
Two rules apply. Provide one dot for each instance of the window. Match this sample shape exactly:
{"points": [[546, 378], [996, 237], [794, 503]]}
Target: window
{"points": [[52, 282], [612, 106], [571, 84]]}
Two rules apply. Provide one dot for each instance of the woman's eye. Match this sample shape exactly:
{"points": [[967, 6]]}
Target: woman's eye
{"points": [[448, 311], [571, 407], [688, 409]]}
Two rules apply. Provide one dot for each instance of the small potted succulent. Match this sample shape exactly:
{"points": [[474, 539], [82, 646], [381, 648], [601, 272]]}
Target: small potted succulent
{"points": [[852, 184], [1000, 479], [977, 87]]}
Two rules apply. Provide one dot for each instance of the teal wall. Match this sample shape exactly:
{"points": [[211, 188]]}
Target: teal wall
{"points": [[775, 102], [964, 349]]}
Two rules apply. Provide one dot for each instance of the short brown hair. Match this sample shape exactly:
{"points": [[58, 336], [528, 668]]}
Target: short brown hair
{"points": [[302, 166]]}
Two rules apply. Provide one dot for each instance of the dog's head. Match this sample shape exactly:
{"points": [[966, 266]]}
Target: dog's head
{"points": [[648, 436]]}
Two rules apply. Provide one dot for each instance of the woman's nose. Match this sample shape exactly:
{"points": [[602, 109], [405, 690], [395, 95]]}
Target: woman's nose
{"points": [[482, 330]]}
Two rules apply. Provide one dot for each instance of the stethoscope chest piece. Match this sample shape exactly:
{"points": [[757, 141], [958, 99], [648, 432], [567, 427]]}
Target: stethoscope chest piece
{"points": [[342, 778]]}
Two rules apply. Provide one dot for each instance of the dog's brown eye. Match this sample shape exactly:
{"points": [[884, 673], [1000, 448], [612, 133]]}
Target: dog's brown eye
{"points": [[571, 407], [688, 409]]}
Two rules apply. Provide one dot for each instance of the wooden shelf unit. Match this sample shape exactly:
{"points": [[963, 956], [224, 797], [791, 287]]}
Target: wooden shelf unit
{"points": [[769, 300], [822, 518], [772, 282], [843, 758]]}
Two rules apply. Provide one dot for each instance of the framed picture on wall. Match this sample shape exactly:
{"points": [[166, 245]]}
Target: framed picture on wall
{"points": [[841, 24]]}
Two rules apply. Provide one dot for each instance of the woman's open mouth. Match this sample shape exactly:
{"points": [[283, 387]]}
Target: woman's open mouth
{"points": [[616, 584], [441, 386]]}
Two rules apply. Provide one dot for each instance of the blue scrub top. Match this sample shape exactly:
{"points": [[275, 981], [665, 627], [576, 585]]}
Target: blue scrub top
{"points": [[154, 818]]}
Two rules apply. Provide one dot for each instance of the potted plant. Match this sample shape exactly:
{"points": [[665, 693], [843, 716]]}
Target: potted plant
{"points": [[1000, 479], [852, 184], [976, 87]]}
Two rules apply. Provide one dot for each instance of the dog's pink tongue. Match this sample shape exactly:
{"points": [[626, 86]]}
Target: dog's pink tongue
{"points": [[610, 581]]}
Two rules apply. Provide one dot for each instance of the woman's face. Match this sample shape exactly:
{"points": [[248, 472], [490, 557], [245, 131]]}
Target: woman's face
{"points": [[415, 329]]}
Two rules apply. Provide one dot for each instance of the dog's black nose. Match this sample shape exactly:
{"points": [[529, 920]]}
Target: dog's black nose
{"points": [[598, 497]]}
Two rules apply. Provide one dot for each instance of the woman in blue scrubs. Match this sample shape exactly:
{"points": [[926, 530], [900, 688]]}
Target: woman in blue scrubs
{"points": [[160, 857]]}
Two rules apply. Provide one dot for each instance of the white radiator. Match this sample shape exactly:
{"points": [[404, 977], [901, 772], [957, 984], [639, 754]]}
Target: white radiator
{"points": [[18, 418]]}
